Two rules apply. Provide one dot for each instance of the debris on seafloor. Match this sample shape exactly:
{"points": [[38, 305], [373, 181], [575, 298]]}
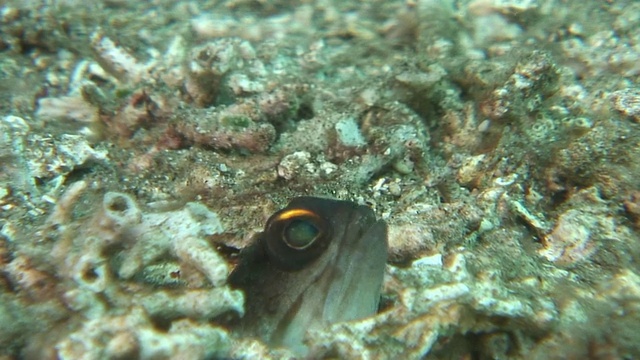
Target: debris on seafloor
{"points": [[90, 285], [143, 145]]}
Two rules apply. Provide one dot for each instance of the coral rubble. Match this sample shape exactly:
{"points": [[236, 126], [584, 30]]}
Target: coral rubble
{"points": [[143, 144]]}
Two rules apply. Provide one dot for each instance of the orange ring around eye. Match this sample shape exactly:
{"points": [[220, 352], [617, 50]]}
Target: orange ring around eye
{"points": [[292, 256], [290, 214]]}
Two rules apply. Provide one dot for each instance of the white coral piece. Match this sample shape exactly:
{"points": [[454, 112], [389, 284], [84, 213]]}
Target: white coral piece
{"points": [[133, 335], [148, 239], [178, 233]]}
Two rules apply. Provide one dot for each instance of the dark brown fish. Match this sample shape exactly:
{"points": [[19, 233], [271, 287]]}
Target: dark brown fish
{"points": [[318, 261]]}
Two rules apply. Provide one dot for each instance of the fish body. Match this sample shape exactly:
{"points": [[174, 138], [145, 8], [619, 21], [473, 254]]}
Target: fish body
{"points": [[319, 261]]}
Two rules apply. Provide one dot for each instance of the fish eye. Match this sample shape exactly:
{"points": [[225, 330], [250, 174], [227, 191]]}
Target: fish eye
{"points": [[294, 237], [300, 233]]}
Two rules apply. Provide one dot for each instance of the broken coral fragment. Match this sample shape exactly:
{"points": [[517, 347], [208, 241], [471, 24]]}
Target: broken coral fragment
{"points": [[178, 233], [67, 107], [106, 257], [13, 130], [627, 102], [293, 164], [349, 133], [580, 230], [115, 59], [569, 241], [248, 125], [50, 160], [210, 63], [133, 335]]}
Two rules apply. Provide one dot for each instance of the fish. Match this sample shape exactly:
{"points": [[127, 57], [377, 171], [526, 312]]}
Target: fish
{"points": [[318, 261]]}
